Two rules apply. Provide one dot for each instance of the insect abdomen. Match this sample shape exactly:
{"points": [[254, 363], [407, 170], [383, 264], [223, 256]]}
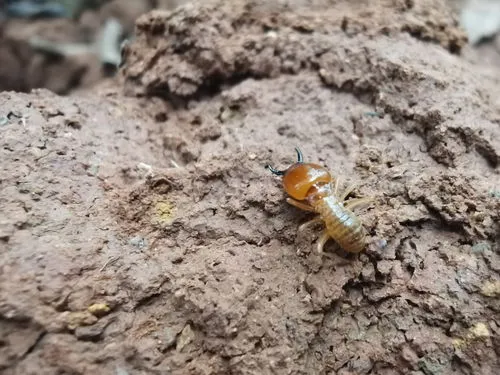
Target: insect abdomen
{"points": [[342, 225]]}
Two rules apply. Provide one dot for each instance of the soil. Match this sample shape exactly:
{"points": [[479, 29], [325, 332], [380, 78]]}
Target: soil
{"points": [[141, 233]]}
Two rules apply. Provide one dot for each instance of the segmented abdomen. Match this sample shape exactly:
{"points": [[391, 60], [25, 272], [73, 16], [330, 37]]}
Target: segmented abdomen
{"points": [[342, 225]]}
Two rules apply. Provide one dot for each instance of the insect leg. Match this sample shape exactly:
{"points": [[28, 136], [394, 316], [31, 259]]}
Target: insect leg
{"points": [[300, 205], [358, 202], [310, 222], [347, 192], [321, 242], [336, 186]]}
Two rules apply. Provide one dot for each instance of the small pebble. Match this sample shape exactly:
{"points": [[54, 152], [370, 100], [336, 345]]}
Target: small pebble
{"points": [[99, 309], [480, 247], [138, 242], [89, 333]]}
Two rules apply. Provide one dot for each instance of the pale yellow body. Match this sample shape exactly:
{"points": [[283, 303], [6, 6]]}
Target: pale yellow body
{"points": [[341, 224]]}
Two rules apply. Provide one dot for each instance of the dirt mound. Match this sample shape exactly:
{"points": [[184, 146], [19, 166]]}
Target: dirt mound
{"points": [[160, 244]]}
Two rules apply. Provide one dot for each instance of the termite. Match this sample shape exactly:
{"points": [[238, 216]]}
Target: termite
{"points": [[311, 187]]}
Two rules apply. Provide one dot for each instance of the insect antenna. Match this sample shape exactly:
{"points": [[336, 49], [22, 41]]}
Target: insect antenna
{"points": [[300, 159], [275, 171]]}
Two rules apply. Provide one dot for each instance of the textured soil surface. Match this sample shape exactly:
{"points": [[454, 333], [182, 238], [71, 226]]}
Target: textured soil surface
{"points": [[141, 234]]}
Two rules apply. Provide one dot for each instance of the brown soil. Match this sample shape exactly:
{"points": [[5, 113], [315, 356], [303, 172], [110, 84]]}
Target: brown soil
{"points": [[141, 234]]}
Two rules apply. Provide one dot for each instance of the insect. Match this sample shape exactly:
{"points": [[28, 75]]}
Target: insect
{"points": [[311, 187]]}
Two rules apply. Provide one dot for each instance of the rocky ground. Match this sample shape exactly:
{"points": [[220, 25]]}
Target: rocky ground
{"points": [[141, 234]]}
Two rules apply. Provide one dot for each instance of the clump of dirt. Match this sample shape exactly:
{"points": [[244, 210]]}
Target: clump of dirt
{"points": [[195, 51], [144, 235]]}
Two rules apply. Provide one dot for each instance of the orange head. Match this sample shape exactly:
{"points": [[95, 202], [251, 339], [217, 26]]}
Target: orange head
{"points": [[301, 179]]}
